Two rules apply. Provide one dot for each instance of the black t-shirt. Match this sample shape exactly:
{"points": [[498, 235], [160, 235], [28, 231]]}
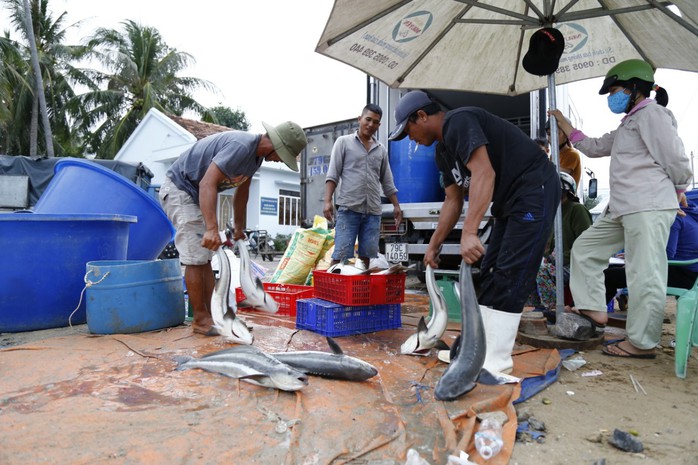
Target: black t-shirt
{"points": [[519, 164]]}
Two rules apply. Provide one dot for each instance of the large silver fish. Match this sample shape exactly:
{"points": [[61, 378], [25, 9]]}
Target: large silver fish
{"points": [[428, 336], [252, 287], [393, 269], [335, 365], [250, 365], [225, 321], [468, 357]]}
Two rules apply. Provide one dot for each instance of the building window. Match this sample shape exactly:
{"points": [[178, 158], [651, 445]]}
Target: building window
{"points": [[289, 208]]}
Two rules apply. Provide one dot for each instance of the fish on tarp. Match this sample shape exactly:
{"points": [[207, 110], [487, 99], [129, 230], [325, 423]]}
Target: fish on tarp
{"points": [[225, 322], [346, 268], [334, 365], [251, 365], [252, 287], [428, 336], [468, 356]]}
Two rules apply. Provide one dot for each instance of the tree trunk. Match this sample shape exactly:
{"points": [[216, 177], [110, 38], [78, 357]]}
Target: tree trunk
{"points": [[39, 82], [34, 127]]}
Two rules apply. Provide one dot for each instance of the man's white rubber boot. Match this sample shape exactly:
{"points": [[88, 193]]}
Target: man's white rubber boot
{"points": [[500, 334]]}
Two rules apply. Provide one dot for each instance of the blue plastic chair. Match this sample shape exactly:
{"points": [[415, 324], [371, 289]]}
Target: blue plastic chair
{"points": [[686, 324]]}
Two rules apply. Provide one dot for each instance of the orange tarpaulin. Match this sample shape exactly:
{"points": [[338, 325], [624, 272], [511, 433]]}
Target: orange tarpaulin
{"points": [[83, 399]]}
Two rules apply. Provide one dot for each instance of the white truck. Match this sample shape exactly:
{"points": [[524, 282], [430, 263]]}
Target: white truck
{"points": [[416, 177], [408, 241]]}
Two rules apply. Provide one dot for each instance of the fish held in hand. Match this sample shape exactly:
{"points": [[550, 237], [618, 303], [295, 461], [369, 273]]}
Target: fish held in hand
{"points": [[225, 322], [252, 287], [468, 357], [428, 336]]}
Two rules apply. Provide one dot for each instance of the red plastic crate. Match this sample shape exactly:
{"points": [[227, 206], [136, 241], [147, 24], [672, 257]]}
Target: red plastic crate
{"points": [[360, 289], [284, 294], [333, 319]]}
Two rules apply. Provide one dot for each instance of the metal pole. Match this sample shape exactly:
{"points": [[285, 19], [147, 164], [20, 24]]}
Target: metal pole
{"points": [[559, 256]]}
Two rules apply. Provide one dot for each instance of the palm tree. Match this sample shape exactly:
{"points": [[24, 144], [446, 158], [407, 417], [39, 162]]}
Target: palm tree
{"points": [[13, 73], [141, 74], [57, 75]]}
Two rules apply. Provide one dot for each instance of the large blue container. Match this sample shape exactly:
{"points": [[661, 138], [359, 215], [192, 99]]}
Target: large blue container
{"points": [[42, 265], [82, 186], [414, 171], [134, 296]]}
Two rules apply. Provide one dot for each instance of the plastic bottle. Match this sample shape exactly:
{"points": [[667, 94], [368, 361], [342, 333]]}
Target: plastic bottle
{"points": [[187, 309], [488, 440]]}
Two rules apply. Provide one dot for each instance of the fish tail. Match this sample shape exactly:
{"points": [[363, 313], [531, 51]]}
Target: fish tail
{"points": [[181, 361]]}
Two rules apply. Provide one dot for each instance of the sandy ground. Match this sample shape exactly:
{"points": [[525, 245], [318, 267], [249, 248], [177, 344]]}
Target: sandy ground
{"points": [[579, 412]]}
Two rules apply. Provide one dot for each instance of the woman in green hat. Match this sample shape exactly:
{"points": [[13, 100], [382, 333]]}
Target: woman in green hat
{"points": [[649, 173]]}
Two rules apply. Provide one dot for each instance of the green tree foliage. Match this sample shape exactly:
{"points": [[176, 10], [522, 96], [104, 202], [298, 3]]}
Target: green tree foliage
{"points": [[19, 119], [226, 116], [141, 73]]}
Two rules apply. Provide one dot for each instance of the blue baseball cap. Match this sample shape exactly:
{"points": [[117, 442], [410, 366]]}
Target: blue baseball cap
{"points": [[408, 105]]}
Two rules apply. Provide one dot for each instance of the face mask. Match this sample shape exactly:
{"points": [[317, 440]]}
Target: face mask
{"points": [[618, 102]]}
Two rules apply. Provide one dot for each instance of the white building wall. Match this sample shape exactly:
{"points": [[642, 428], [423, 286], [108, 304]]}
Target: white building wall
{"points": [[156, 142]]}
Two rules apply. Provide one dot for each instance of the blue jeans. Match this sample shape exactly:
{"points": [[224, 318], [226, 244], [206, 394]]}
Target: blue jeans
{"points": [[350, 226]]}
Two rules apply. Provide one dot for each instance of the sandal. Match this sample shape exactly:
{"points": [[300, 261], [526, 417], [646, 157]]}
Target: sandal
{"points": [[622, 353]]}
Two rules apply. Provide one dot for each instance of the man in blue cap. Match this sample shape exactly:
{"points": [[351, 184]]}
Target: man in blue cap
{"points": [[492, 162]]}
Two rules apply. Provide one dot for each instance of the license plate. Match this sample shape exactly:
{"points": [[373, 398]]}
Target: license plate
{"points": [[396, 252]]}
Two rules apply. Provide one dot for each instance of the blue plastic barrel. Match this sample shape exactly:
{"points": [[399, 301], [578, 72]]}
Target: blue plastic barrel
{"points": [[42, 265], [414, 171], [133, 296], [82, 186]]}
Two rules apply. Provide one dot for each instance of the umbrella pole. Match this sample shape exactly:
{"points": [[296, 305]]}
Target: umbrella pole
{"points": [[559, 258]]}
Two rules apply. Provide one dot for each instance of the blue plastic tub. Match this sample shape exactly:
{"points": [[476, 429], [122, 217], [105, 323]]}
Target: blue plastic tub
{"points": [[82, 186], [414, 172], [134, 296], [42, 265]]}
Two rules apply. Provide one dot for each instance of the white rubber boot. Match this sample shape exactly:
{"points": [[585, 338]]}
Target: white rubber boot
{"points": [[500, 333]]}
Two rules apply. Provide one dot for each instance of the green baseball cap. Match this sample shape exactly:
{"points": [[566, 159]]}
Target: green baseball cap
{"points": [[288, 140]]}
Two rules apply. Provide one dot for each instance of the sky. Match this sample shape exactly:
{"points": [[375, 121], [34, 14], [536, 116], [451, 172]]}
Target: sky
{"points": [[261, 56]]}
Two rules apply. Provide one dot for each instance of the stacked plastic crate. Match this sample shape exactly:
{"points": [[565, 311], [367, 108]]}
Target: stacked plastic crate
{"points": [[345, 305]]}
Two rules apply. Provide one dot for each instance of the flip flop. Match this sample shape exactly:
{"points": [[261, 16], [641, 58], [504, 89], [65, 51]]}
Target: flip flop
{"points": [[608, 352], [594, 324]]}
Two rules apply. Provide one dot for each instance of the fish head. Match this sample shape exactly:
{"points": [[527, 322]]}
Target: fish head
{"points": [[269, 304], [288, 379], [419, 343], [240, 331], [358, 370], [416, 345]]}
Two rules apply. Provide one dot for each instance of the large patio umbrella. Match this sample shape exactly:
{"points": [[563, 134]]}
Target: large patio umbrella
{"points": [[478, 45]]}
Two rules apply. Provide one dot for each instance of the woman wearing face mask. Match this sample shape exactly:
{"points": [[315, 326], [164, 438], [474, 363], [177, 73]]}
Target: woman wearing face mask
{"points": [[649, 173]]}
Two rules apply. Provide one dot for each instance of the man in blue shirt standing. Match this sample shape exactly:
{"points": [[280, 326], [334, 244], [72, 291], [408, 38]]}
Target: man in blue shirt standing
{"points": [[359, 171]]}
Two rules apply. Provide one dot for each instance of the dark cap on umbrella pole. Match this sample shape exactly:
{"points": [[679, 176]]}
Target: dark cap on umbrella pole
{"points": [[544, 51]]}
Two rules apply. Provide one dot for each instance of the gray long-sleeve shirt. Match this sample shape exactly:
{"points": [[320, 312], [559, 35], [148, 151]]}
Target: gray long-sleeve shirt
{"points": [[648, 160], [360, 175]]}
